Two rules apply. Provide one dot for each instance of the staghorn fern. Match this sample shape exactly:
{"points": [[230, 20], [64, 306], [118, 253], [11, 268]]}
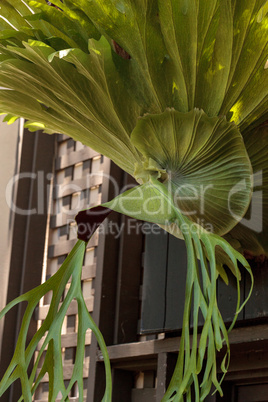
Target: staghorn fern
{"points": [[175, 93]]}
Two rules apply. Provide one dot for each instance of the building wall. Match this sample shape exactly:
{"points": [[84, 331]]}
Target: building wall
{"points": [[111, 281], [10, 138], [77, 185]]}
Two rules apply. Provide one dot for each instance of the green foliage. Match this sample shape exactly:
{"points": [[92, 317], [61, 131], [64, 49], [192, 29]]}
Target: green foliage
{"points": [[66, 91], [203, 162], [218, 66], [172, 91], [49, 335], [252, 239]]}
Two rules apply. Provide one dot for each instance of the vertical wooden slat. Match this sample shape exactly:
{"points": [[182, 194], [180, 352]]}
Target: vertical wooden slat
{"points": [[128, 279], [105, 286], [128, 286], [228, 393], [122, 385], [165, 365], [175, 284], [227, 296], [257, 306], [154, 282], [163, 283], [27, 247]]}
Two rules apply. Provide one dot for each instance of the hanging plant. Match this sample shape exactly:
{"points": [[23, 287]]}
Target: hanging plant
{"points": [[175, 93]]}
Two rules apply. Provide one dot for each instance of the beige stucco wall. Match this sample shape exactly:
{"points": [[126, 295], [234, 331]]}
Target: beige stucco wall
{"points": [[9, 148]]}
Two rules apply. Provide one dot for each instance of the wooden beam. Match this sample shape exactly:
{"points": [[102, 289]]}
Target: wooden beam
{"points": [[71, 399], [68, 340], [67, 372], [41, 312], [248, 335], [65, 246]]}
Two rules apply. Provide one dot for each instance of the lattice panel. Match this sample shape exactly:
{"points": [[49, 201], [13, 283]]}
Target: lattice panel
{"points": [[78, 181]]}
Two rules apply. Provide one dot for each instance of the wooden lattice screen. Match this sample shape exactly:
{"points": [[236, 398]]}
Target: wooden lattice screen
{"points": [[77, 185]]}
